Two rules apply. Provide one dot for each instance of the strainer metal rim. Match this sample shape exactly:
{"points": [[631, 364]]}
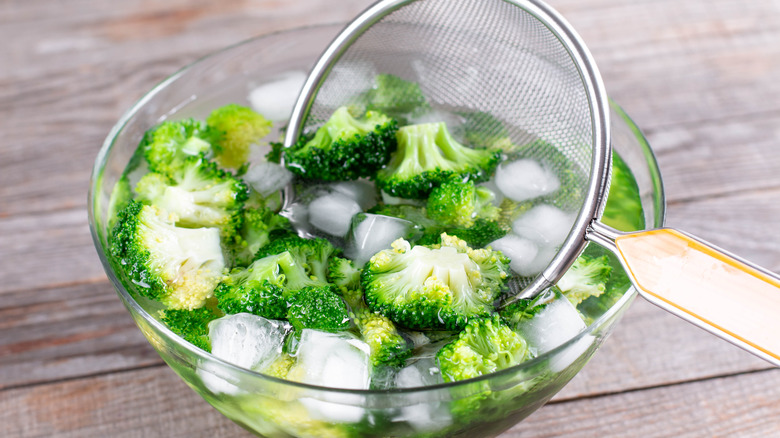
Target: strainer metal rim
{"points": [[598, 183]]}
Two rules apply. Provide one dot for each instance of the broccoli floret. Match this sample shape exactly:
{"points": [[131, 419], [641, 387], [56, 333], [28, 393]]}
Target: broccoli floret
{"points": [[280, 366], [344, 148], [313, 255], [623, 210], [434, 287], [197, 194], [459, 204], [259, 226], [178, 266], [396, 97], [485, 346], [524, 309], [260, 288], [427, 156], [483, 129], [168, 144], [343, 273], [238, 127], [587, 277], [387, 346], [481, 233], [192, 325], [317, 307]]}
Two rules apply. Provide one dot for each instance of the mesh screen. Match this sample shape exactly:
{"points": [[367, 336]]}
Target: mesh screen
{"points": [[476, 56]]}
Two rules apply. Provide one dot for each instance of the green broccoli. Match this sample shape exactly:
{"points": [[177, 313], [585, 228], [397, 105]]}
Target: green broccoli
{"points": [[259, 226], [459, 204], [238, 127], [623, 210], [483, 129], [260, 289], [317, 307], [396, 97], [196, 194], [344, 148], [429, 287], [313, 255], [387, 346], [481, 233], [343, 273], [427, 156], [178, 266], [168, 144], [192, 325], [522, 310], [587, 277], [485, 346]]}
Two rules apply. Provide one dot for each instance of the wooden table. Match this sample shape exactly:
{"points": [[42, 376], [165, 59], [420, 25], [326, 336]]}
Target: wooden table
{"points": [[701, 77]]}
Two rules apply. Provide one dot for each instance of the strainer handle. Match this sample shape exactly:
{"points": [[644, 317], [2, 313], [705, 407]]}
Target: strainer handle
{"points": [[717, 291]]}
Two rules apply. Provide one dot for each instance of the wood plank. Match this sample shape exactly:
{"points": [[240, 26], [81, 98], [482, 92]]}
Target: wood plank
{"points": [[154, 402], [151, 402], [743, 406], [67, 332], [42, 250], [718, 158], [669, 62]]}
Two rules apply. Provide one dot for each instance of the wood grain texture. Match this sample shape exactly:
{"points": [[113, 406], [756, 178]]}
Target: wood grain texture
{"points": [[700, 78]]}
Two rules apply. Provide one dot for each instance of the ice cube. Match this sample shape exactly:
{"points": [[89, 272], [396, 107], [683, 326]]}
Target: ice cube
{"points": [[543, 258], [558, 322], [245, 340], [332, 213], [275, 99], [372, 233], [425, 415], [362, 191], [544, 224], [521, 252], [336, 360], [422, 372], [525, 179], [267, 178]]}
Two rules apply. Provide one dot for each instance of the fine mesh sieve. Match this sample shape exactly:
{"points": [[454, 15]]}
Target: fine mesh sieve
{"points": [[518, 61]]}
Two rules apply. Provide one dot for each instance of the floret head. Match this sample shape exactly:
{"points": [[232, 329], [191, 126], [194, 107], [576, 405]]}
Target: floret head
{"points": [[344, 148], [197, 194], [258, 289], [238, 127], [311, 258], [587, 277], [192, 325], [484, 346], [434, 287], [178, 266], [428, 156], [169, 143], [317, 307]]}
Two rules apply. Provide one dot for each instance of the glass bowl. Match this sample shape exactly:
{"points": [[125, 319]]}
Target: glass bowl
{"points": [[271, 407]]}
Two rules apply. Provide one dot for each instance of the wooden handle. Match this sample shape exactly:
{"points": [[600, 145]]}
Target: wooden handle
{"points": [[716, 291]]}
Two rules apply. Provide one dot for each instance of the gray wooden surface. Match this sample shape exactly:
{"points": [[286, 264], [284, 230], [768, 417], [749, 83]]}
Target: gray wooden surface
{"points": [[701, 77]]}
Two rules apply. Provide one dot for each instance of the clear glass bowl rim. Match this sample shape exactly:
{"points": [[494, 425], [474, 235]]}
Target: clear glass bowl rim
{"points": [[101, 244]]}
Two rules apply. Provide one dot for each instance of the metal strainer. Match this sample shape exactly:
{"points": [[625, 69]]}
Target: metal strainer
{"points": [[521, 62]]}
